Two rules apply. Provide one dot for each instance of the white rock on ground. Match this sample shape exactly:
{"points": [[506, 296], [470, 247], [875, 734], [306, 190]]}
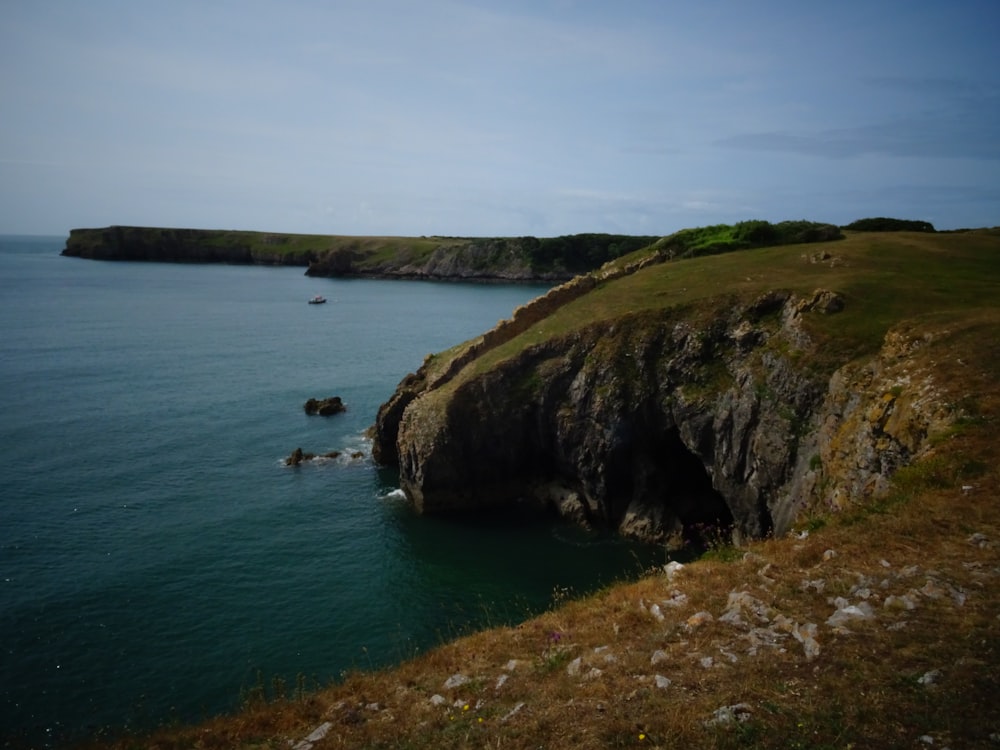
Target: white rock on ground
{"points": [[456, 680], [317, 734], [739, 712]]}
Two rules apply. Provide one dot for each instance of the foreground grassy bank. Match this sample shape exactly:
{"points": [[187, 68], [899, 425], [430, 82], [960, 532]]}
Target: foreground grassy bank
{"points": [[875, 625]]}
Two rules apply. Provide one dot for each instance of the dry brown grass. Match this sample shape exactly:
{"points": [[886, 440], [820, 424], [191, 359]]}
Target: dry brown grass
{"points": [[926, 560]]}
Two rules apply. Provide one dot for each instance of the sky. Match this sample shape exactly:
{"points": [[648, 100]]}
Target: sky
{"points": [[489, 118]]}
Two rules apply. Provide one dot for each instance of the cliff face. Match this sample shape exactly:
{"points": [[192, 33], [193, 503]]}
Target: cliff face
{"points": [[496, 259], [183, 246], [663, 424]]}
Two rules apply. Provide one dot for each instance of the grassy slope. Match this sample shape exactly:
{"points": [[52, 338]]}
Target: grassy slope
{"points": [[884, 277], [866, 687]]}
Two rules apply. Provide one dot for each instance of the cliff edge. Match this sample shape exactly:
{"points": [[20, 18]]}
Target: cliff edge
{"points": [[677, 399]]}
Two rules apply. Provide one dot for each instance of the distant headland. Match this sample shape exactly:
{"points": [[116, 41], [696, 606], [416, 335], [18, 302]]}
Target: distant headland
{"points": [[523, 259], [487, 259]]}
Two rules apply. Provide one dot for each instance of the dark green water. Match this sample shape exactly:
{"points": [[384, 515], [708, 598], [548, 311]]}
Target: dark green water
{"points": [[156, 557]]}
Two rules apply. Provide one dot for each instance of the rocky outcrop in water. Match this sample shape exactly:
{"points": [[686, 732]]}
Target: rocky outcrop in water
{"points": [[660, 424], [325, 407]]}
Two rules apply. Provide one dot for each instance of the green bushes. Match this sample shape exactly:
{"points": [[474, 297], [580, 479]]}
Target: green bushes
{"points": [[724, 238], [882, 224], [581, 252]]}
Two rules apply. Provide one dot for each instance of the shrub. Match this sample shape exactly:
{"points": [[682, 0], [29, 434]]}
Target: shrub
{"points": [[883, 224]]}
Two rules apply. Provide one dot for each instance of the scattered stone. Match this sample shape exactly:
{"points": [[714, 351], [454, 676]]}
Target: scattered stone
{"points": [[655, 611], [672, 568], [659, 656], [806, 635], [456, 680], [662, 682], [605, 651], [742, 603], [729, 655], [501, 680], [905, 601], [929, 678], [933, 590], [769, 637], [979, 540], [677, 599], [573, 668], [707, 662], [739, 712], [318, 734], [763, 574], [698, 619], [513, 711], [829, 555], [511, 665], [438, 700], [817, 585], [846, 613]]}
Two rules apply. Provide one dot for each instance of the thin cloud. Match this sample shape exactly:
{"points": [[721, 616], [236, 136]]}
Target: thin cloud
{"points": [[956, 119]]}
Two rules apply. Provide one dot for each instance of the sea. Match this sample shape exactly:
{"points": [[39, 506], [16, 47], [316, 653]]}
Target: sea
{"points": [[159, 562]]}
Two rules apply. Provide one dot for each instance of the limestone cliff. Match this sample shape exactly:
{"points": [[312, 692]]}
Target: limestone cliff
{"points": [[486, 259], [648, 424], [185, 246], [668, 421]]}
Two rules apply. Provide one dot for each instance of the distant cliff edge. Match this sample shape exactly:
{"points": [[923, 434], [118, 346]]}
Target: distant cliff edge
{"points": [[512, 259]]}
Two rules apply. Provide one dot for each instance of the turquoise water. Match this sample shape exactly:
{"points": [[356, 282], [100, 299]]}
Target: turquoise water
{"points": [[156, 556]]}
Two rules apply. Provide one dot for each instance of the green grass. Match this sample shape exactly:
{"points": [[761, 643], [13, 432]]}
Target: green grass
{"points": [[883, 278]]}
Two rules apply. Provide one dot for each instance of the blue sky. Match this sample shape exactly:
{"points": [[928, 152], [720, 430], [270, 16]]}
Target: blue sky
{"points": [[480, 117]]}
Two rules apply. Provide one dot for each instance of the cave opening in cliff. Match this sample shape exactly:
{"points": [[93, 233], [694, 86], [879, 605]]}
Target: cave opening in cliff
{"points": [[676, 483]]}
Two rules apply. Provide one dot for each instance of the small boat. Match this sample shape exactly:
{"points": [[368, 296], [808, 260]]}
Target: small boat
{"points": [[318, 300]]}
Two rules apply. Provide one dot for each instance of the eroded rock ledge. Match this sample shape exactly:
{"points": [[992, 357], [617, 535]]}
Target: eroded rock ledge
{"points": [[660, 426]]}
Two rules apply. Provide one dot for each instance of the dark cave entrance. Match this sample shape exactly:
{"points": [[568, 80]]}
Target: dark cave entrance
{"points": [[668, 478]]}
